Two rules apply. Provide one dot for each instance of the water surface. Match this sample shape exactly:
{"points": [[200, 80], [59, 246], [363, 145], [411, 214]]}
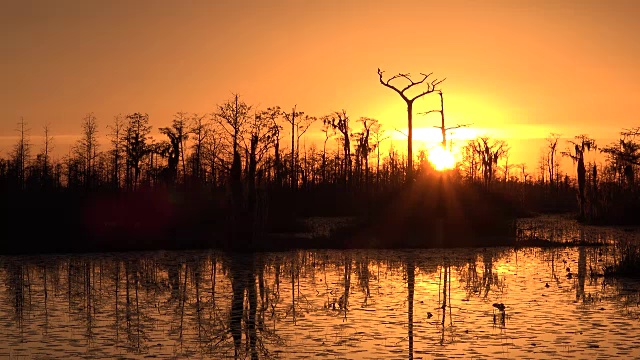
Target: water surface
{"points": [[319, 304]]}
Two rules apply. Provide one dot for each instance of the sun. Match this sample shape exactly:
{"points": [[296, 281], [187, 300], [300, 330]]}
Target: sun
{"points": [[441, 159]]}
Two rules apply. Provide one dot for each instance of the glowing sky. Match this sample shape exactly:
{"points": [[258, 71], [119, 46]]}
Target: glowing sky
{"points": [[519, 68]]}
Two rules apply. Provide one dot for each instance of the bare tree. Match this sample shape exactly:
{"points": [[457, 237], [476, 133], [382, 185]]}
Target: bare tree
{"points": [[507, 167], [180, 127], [442, 127], [523, 168], [232, 117], [364, 148], [431, 87], [271, 116], [46, 157], [552, 143], [625, 155], [328, 133], [304, 123], [293, 118], [171, 150], [87, 147], [116, 135], [200, 131], [489, 151], [378, 138], [339, 121], [22, 153], [136, 135]]}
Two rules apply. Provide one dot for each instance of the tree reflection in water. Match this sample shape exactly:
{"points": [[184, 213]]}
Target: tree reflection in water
{"points": [[189, 304]]}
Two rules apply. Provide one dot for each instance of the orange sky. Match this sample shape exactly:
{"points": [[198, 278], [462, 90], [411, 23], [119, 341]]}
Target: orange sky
{"points": [[525, 68]]}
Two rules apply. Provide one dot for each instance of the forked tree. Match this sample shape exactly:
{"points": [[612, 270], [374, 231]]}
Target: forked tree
{"points": [[431, 87]]}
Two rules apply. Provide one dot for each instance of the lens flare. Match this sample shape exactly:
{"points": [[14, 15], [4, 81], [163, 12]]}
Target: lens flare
{"points": [[441, 159]]}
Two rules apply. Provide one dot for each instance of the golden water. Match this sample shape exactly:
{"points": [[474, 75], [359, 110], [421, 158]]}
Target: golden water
{"points": [[319, 304]]}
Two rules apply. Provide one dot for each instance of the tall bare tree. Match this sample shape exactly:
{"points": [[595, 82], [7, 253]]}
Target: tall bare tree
{"points": [[552, 143], [442, 127], [339, 121], [47, 147], [116, 138], [272, 114], [22, 153], [232, 117], [87, 147], [378, 137], [431, 87], [200, 131], [327, 129], [293, 119]]}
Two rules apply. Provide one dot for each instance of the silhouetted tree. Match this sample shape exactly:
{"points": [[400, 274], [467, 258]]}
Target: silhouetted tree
{"points": [[116, 138], [45, 155], [171, 150], [200, 131], [582, 143], [625, 155], [339, 121], [552, 143], [22, 153], [431, 87], [489, 151], [272, 114], [136, 135], [232, 117], [363, 147], [293, 118], [378, 138], [86, 148]]}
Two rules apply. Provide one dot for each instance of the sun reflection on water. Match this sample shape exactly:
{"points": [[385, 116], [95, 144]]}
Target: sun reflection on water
{"points": [[354, 304]]}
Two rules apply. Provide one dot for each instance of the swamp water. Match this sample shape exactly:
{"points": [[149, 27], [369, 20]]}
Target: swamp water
{"points": [[319, 304]]}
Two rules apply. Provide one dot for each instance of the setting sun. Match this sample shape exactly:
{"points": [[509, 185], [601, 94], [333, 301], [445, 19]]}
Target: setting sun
{"points": [[441, 159]]}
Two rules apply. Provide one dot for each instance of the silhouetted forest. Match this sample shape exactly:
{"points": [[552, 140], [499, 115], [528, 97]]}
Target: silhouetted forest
{"points": [[239, 175]]}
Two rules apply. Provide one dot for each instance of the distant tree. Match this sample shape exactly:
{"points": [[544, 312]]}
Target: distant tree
{"points": [[507, 167], [136, 135], [293, 119], [552, 143], [272, 115], [339, 121], [45, 154], [378, 138], [180, 128], [489, 151], [364, 147], [86, 148], [431, 87], [625, 155], [232, 117], [171, 150], [581, 144], [523, 168], [22, 153], [200, 131], [116, 138], [304, 123], [471, 160]]}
